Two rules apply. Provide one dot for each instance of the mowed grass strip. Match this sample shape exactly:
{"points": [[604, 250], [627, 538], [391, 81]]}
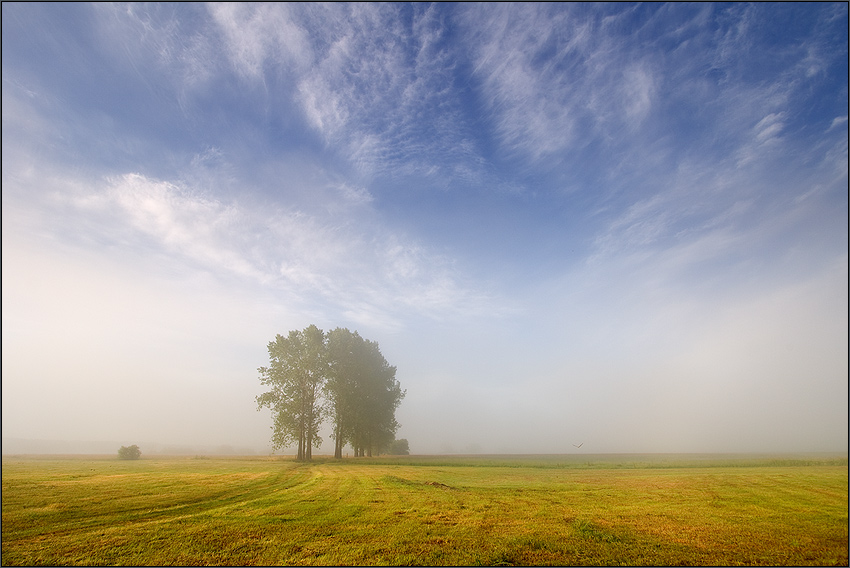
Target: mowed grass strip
{"points": [[267, 511]]}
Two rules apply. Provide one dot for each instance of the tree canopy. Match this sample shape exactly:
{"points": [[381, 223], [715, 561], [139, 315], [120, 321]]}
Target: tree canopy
{"points": [[400, 448], [131, 453], [297, 369], [313, 374]]}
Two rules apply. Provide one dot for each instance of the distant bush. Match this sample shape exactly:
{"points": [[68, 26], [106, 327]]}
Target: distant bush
{"points": [[131, 453], [399, 448]]}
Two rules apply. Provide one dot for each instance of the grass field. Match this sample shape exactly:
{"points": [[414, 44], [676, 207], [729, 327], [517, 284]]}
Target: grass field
{"points": [[488, 510]]}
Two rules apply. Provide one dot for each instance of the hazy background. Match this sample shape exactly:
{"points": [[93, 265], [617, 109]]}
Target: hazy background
{"points": [[617, 225]]}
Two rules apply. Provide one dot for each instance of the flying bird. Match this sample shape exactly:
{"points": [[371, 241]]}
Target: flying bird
{"points": [[580, 445]]}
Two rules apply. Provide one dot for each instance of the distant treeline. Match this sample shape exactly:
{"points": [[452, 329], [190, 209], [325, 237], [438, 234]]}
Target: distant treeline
{"points": [[313, 375]]}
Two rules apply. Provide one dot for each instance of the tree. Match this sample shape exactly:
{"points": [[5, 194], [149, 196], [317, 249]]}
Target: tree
{"points": [[380, 395], [362, 393], [343, 371], [359, 388], [295, 375], [131, 453], [400, 448]]}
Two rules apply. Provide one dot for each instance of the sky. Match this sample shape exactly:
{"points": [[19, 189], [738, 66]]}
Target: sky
{"points": [[620, 226]]}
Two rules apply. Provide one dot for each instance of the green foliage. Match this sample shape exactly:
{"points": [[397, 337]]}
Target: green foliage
{"points": [[297, 369], [131, 453], [312, 374], [363, 393], [399, 448], [277, 511]]}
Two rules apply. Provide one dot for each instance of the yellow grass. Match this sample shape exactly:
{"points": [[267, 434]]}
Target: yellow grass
{"points": [[425, 511]]}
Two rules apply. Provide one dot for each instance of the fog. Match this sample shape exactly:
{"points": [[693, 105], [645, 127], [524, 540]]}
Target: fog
{"points": [[558, 226]]}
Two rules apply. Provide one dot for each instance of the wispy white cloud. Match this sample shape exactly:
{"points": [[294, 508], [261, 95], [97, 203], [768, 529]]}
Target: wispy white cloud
{"points": [[709, 234], [555, 80], [376, 90], [837, 121], [260, 35], [534, 105], [338, 260]]}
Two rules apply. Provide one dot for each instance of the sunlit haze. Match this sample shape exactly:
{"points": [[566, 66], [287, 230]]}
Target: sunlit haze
{"points": [[615, 225]]}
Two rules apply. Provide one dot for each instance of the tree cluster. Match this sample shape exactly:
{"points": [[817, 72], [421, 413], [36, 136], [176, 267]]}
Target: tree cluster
{"points": [[131, 453], [313, 375]]}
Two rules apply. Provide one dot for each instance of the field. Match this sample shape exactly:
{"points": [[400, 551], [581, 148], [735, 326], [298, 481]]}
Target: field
{"points": [[473, 510]]}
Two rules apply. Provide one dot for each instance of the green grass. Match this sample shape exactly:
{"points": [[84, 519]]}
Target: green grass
{"points": [[490, 510]]}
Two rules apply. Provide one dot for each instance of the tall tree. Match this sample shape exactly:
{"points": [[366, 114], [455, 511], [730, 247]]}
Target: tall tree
{"points": [[380, 396], [340, 389], [362, 393], [295, 375]]}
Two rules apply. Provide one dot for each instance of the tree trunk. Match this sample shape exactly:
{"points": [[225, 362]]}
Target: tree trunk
{"points": [[302, 443], [308, 446], [310, 420], [338, 442]]}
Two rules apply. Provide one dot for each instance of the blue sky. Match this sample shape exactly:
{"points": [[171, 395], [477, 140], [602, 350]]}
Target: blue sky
{"points": [[617, 224]]}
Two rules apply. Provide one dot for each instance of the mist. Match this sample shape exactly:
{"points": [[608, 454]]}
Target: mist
{"points": [[619, 228]]}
